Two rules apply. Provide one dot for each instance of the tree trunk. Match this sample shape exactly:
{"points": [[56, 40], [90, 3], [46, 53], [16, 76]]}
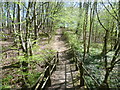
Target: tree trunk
{"points": [[14, 27], [105, 85], [27, 30], [111, 34], [84, 29], [19, 29], [35, 29], [91, 27]]}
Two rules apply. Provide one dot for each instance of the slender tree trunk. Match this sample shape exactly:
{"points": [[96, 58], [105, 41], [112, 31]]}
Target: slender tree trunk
{"points": [[47, 13], [111, 34], [104, 51], [27, 30], [119, 37], [35, 29], [84, 29], [118, 28], [42, 18], [14, 27], [2, 24], [91, 27], [7, 15], [19, 29], [78, 25], [96, 34]]}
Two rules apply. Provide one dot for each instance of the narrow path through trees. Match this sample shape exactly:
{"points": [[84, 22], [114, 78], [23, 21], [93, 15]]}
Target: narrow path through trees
{"points": [[65, 74]]}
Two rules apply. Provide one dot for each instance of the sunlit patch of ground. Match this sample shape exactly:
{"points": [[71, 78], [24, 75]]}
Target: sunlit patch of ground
{"points": [[11, 77]]}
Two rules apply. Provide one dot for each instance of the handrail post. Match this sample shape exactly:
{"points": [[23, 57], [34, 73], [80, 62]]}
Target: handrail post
{"points": [[47, 74], [76, 67], [47, 63], [81, 75], [49, 82], [57, 57], [76, 61], [55, 60]]}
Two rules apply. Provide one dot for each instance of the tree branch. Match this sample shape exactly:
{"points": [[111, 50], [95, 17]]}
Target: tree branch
{"points": [[100, 21], [109, 11], [116, 61], [113, 8]]}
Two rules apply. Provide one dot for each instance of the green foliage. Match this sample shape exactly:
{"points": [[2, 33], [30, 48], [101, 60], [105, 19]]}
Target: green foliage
{"points": [[6, 87], [32, 77], [95, 51], [44, 54], [6, 82], [68, 17], [72, 40], [8, 78]]}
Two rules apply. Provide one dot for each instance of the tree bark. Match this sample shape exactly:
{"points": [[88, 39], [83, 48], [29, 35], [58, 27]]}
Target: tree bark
{"points": [[19, 29], [84, 29], [91, 27], [35, 29]]}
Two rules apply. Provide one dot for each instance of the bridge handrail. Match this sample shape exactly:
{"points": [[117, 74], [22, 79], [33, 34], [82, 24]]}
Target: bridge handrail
{"points": [[80, 66], [44, 79]]}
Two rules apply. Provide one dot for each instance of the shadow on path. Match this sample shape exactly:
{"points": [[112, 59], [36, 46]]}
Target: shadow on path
{"points": [[65, 73]]}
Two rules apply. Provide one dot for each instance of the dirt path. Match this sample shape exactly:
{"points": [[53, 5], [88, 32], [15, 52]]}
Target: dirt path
{"points": [[58, 42], [65, 73]]}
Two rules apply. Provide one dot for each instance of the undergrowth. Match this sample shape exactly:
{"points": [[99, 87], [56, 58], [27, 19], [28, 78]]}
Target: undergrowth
{"points": [[94, 61]]}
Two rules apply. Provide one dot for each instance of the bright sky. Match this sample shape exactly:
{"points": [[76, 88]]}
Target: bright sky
{"points": [[58, 0]]}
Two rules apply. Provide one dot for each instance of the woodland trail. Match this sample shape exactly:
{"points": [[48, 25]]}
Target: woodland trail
{"points": [[65, 73]]}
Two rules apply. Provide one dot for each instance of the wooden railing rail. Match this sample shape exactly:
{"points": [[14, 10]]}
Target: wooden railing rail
{"points": [[80, 66], [44, 80]]}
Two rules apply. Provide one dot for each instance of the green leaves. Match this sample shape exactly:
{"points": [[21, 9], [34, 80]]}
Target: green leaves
{"points": [[44, 54], [74, 43], [33, 77], [111, 54], [68, 16]]}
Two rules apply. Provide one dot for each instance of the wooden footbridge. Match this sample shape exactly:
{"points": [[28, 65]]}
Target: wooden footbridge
{"points": [[65, 71]]}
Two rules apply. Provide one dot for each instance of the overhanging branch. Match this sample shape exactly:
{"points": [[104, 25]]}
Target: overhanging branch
{"points": [[100, 21], [110, 12]]}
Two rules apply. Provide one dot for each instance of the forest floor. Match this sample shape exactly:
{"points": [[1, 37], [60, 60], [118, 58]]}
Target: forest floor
{"points": [[10, 64], [65, 75]]}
